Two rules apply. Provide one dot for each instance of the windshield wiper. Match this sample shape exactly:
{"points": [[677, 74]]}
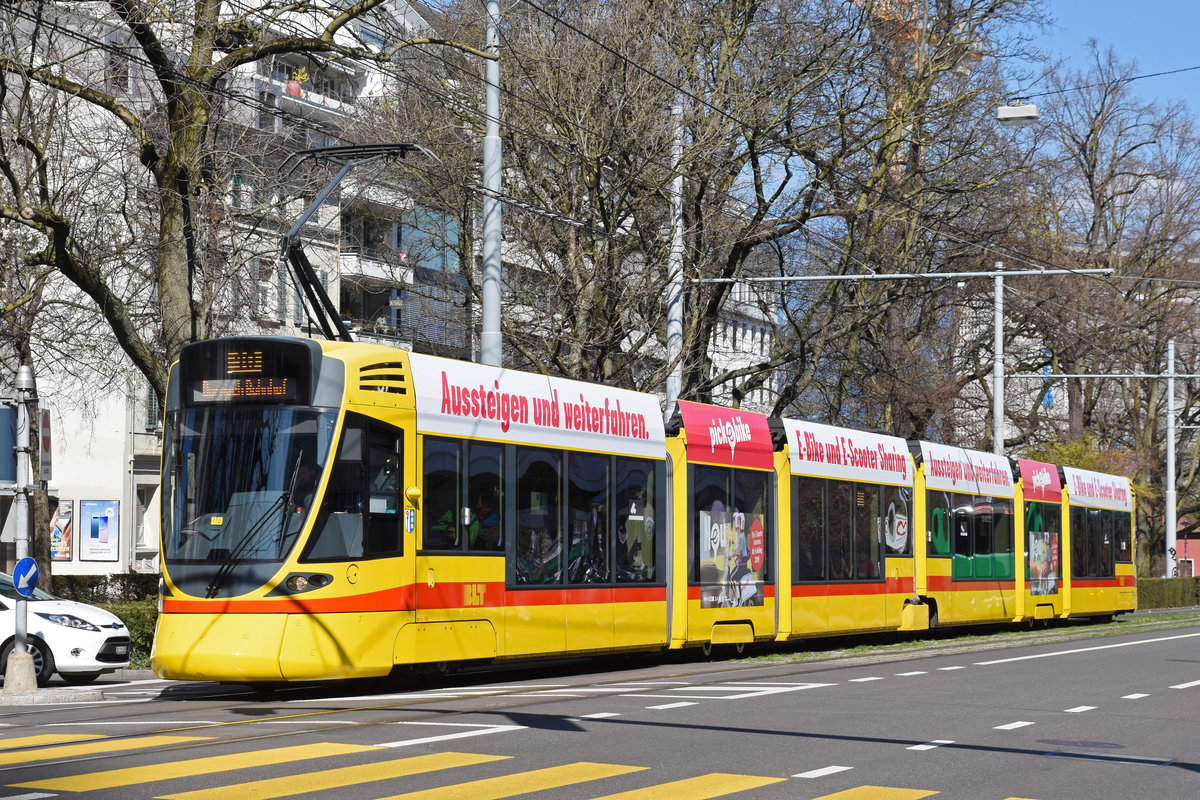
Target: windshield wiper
{"points": [[243, 546]]}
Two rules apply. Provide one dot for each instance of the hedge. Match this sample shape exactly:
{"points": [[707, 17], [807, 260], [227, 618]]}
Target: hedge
{"points": [[1168, 592]]}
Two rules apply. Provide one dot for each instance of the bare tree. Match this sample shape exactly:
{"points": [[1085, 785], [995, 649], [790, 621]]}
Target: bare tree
{"points": [[152, 79]]}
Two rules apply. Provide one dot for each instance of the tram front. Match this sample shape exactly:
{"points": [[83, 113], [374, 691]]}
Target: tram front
{"points": [[248, 432]]}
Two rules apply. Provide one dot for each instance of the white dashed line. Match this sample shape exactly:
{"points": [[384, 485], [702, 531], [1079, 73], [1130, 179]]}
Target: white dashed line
{"points": [[1078, 709], [949, 669], [670, 705], [601, 715], [822, 772], [1012, 726], [1186, 685], [931, 745], [1135, 696], [910, 674], [476, 730], [864, 680]]}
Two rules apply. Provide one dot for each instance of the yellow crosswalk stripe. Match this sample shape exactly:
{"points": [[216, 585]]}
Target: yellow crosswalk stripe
{"points": [[45, 739], [94, 748], [336, 778], [112, 778], [877, 793], [522, 782], [701, 787]]}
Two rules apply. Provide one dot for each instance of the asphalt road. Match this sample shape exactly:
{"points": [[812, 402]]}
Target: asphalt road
{"points": [[1088, 712]]}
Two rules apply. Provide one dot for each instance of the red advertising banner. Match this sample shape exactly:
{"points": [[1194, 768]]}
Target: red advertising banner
{"points": [[727, 436], [1040, 481]]}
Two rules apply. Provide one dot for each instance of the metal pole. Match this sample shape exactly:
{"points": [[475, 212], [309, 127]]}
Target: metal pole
{"points": [[24, 387], [675, 269], [998, 365], [489, 340], [1169, 493]]}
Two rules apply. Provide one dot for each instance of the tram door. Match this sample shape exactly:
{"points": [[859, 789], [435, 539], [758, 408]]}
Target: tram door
{"points": [[459, 563]]}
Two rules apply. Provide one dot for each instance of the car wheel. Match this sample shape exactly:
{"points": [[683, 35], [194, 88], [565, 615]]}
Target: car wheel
{"points": [[79, 678], [43, 659]]}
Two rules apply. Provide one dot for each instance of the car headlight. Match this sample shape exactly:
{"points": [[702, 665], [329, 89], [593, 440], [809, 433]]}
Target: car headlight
{"points": [[68, 621]]}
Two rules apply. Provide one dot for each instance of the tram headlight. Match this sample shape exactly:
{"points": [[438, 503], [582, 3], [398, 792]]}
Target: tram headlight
{"points": [[296, 583]]}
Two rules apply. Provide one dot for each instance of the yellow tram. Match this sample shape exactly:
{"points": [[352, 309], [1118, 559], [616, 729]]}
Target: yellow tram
{"points": [[337, 509]]}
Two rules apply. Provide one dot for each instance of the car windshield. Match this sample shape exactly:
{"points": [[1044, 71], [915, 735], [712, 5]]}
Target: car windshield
{"points": [[241, 481], [8, 590]]}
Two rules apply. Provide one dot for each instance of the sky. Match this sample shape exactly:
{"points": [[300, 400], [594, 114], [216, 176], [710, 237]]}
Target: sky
{"points": [[1159, 35]]}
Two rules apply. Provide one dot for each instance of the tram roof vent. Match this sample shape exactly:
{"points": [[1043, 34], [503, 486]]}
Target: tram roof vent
{"points": [[386, 376]]}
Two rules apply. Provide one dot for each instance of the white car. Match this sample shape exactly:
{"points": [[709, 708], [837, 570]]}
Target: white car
{"points": [[78, 641]]}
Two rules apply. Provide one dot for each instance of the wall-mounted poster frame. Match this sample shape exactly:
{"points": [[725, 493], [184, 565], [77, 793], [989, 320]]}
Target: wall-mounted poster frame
{"points": [[62, 528], [99, 530]]}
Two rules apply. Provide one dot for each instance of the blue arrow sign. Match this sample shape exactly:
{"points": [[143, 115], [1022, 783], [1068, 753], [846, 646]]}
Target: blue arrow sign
{"points": [[25, 576]]}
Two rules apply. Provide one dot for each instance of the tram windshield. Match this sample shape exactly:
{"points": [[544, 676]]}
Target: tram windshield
{"points": [[241, 480]]}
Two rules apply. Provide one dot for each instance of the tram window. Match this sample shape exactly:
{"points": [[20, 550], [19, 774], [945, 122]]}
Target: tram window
{"points": [[751, 523], [384, 471], [984, 529], [486, 510], [808, 515], [367, 466], [1003, 550], [1122, 536], [1080, 539], [940, 523], [1099, 543], [711, 499], [636, 542], [441, 496], [897, 523], [841, 530], [539, 537], [962, 527], [866, 532], [588, 515]]}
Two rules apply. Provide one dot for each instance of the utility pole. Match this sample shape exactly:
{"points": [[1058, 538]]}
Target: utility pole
{"points": [[18, 675], [490, 349], [998, 364], [675, 268]]}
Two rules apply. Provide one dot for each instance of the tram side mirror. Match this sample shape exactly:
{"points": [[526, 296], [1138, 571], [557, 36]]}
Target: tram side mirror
{"points": [[413, 495]]}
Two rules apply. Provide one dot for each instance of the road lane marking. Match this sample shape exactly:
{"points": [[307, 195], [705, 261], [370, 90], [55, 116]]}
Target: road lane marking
{"points": [[822, 772], [339, 778], [1186, 685], [95, 747], [910, 674], [1012, 726], [1087, 650], [936, 743], [189, 768], [738, 689], [1078, 709], [43, 739], [700, 787], [866, 680], [1135, 696], [877, 793], [670, 705], [473, 730], [950, 669], [600, 715], [522, 782]]}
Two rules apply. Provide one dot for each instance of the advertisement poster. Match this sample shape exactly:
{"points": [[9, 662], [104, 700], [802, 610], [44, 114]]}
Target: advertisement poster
{"points": [[99, 526], [61, 530], [731, 557], [1043, 562]]}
